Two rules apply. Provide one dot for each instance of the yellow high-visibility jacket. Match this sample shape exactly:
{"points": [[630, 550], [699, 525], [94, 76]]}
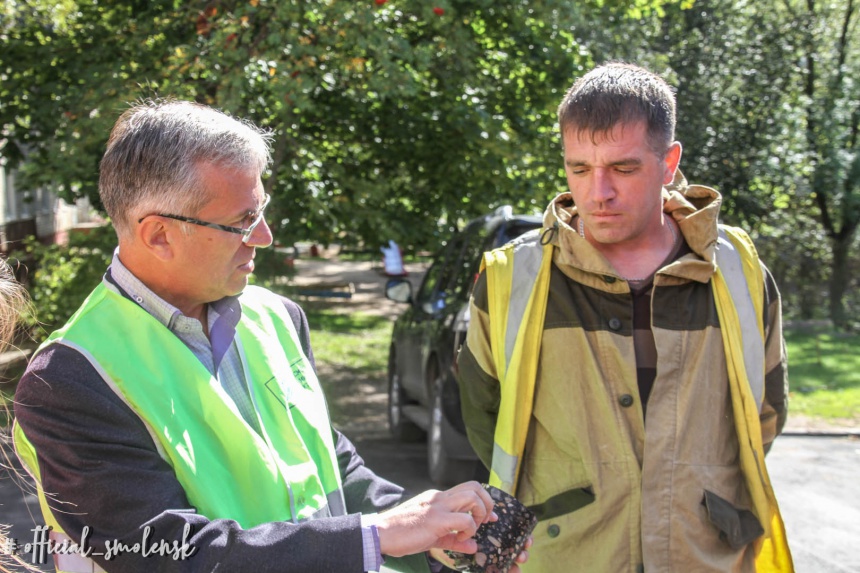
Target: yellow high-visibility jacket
{"points": [[604, 501]]}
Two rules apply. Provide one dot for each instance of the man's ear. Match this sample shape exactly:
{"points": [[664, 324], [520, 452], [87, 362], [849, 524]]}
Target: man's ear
{"points": [[671, 161], [157, 237]]}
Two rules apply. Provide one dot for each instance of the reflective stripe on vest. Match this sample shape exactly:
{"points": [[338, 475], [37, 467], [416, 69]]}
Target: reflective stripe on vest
{"points": [[197, 429], [772, 551]]}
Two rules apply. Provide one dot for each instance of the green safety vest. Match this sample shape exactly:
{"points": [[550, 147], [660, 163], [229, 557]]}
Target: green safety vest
{"points": [[518, 278], [287, 472]]}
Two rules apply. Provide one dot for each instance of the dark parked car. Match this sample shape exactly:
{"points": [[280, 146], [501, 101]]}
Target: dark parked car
{"points": [[423, 397]]}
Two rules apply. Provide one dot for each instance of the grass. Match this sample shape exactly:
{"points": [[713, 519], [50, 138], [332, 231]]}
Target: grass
{"points": [[351, 353], [355, 341], [824, 374]]}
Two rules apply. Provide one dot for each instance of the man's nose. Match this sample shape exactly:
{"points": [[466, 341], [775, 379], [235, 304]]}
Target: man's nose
{"points": [[601, 186], [261, 236]]}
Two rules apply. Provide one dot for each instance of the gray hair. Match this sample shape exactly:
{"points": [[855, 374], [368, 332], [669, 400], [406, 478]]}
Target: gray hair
{"points": [[154, 151], [619, 93]]}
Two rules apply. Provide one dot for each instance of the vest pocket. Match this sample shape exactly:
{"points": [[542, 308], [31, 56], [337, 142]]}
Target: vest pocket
{"points": [[738, 527], [563, 503]]}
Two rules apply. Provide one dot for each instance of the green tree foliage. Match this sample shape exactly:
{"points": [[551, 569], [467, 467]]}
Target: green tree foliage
{"points": [[389, 117], [66, 70], [734, 67], [768, 114], [737, 68], [392, 118], [830, 59], [61, 276], [396, 119], [771, 102]]}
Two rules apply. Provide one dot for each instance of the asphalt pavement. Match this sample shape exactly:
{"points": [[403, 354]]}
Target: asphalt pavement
{"points": [[815, 478]]}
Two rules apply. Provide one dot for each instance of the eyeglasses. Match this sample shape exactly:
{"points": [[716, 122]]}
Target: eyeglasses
{"points": [[255, 218]]}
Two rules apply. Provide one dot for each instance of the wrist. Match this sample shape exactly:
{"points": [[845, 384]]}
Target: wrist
{"points": [[373, 558]]}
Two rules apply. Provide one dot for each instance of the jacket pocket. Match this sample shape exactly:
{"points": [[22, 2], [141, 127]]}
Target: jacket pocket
{"points": [[563, 503], [738, 527]]}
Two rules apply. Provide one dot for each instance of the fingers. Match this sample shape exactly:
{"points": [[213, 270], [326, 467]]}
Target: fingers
{"points": [[471, 498], [468, 545], [459, 525], [529, 542], [523, 557], [444, 519], [439, 555]]}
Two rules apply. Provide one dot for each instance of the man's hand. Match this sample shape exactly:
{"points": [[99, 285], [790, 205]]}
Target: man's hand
{"points": [[442, 519]]}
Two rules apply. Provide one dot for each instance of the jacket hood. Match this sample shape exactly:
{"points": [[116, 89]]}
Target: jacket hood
{"points": [[695, 208]]}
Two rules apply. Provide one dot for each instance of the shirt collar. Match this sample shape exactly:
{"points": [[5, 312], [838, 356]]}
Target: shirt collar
{"points": [[167, 314]]}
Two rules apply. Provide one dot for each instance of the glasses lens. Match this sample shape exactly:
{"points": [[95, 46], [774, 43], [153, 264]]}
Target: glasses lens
{"points": [[250, 230]]}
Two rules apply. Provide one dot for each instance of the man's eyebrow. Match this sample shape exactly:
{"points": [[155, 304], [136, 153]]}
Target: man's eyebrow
{"points": [[630, 161], [245, 213], [626, 162], [255, 210]]}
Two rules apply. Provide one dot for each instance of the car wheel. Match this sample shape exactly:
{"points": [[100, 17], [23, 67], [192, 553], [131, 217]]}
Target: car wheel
{"points": [[444, 469], [401, 427]]}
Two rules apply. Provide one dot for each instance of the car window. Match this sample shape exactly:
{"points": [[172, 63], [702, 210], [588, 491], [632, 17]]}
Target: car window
{"points": [[452, 275], [436, 289], [431, 277], [481, 241], [470, 261], [447, 290]]}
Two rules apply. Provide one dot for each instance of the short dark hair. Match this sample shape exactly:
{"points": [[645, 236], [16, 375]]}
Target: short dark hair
{"points": [[620, 93]]}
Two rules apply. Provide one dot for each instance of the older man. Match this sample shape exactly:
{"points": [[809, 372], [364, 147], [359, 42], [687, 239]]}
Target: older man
{"points": [[175, 423]]}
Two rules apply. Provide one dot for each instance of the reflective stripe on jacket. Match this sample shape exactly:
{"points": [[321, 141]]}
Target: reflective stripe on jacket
{"points": [[197, 429]]}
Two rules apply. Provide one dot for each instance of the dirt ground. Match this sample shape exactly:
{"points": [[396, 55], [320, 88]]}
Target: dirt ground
{"points": [[367, 278]]}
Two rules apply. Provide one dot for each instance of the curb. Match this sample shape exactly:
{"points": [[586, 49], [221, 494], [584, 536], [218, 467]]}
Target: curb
{"points": [[829, 433]]}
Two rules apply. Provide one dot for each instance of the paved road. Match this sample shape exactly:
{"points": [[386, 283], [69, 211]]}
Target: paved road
{"points": [[816, 482]]}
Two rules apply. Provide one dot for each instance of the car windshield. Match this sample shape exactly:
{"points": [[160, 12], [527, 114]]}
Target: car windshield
{"points": [[455, 268], [514, 230]]}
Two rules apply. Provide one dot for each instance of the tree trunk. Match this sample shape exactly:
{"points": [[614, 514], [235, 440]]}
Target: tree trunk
{"points": [[839, 280]]}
